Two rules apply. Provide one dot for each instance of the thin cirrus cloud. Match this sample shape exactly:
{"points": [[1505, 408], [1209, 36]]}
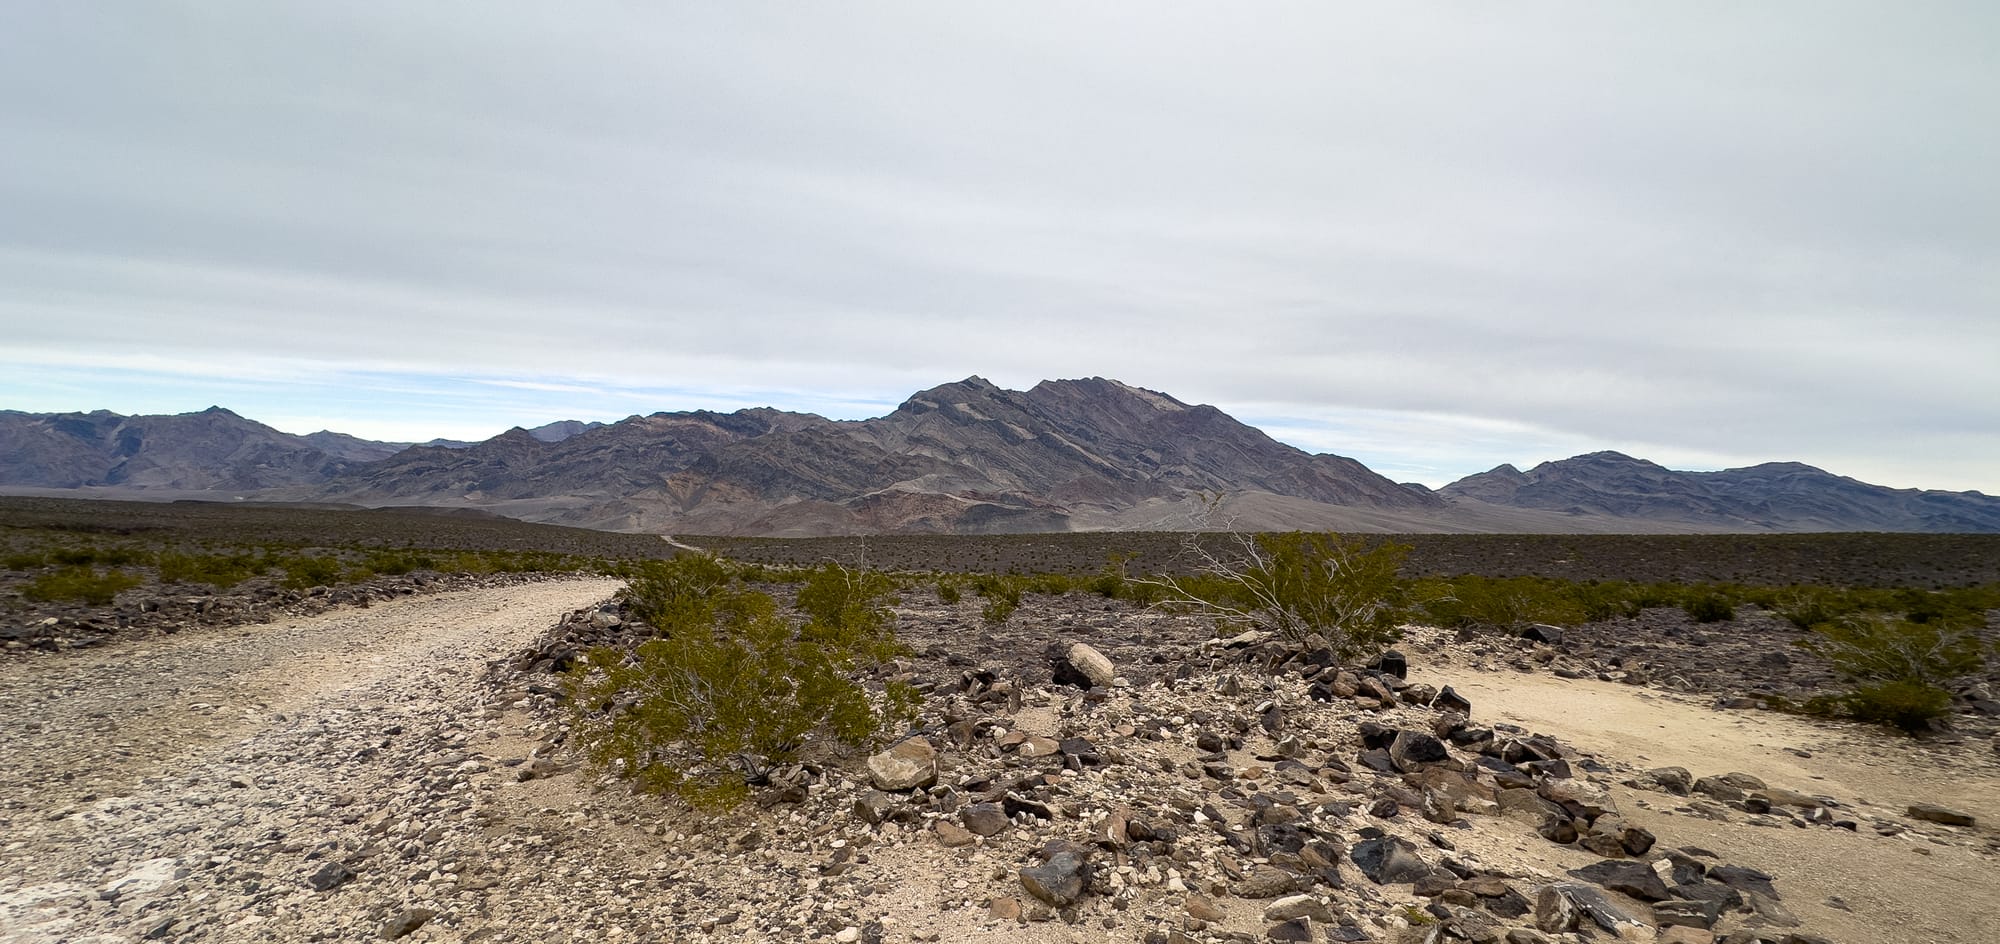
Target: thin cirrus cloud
{"points": [[1434, 239]]}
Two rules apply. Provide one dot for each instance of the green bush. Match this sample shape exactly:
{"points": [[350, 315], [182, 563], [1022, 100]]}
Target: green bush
{"points": [[81, 584], [1309, 588], [847, 611], [1874, 649], [1709, 608], [1910, 706], [948, 592], [729, 690], [676, 591], [1902, 666], [220, 571], [26, 560], [1002, 594], [306, 571]]}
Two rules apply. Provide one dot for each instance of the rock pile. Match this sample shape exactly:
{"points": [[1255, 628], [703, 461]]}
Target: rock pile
{"points": [[1316, 803]]}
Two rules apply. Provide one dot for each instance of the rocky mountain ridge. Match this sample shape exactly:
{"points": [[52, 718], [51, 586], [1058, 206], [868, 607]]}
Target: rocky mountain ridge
{"points": [[1800, 496], [964, 457]]}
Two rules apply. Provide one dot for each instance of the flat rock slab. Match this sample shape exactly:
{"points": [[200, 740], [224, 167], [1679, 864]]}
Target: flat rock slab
{"points": [[1932, 813]]}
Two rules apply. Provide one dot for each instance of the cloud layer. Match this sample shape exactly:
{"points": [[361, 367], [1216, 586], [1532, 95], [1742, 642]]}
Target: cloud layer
{"points": [[1433, 239]]}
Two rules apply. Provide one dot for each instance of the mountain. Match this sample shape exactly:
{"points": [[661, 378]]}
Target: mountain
{"points": [[966, 456], [210, 450], [547, 432], [1774, 496]]}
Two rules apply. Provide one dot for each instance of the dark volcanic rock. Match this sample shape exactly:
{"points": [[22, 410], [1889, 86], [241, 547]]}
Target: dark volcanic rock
{"points": [[1060, 881], [1388, 861]]}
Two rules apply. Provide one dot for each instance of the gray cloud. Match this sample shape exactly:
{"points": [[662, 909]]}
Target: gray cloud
{"points": [[1713, 233]]}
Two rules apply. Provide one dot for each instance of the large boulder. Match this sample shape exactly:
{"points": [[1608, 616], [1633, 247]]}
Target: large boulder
{"points": [[907, 766], [1411, 750], [1082, 666]]}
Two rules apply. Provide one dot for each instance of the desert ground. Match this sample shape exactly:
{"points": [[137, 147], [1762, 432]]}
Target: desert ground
{"points": [[401, 771]]}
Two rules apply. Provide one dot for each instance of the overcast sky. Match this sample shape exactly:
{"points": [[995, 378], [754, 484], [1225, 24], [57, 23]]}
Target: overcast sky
{"points": [[1434, 237]]}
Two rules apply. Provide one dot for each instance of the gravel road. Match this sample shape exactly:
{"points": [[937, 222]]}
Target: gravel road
{"points": [[299, 780]]}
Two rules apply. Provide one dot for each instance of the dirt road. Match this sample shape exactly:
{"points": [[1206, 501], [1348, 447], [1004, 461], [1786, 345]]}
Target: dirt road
{"points": [[189, 788]]}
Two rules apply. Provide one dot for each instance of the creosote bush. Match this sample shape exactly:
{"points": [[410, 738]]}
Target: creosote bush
{"points": [[732, 688], [1902, 667], [82, 584], [1309, 588]]}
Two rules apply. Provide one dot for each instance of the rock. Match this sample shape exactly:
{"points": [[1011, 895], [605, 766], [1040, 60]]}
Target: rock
{"points": [[1745, 879], [874, 806], [1555, 912], [1600, 910], [1060, 881], [1388, 860], [1932, 813], [1297, 929], [1202, 908], [984, 819], [1583, 799], [1778, 796], [1450, 700], [330, 876], [951, 835], [1543, 633], [1084, 667], [1729, 787], [1413, 749], [1691, 914], [1392, 662], [405, 922], [907, 766], [1267, 881], [1675, 780], [1636, 879], [1680, 934], [1297, 906], [1527, 805]]}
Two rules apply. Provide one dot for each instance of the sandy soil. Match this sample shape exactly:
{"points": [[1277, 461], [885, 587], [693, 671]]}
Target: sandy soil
{"points": [[1907, 889]]}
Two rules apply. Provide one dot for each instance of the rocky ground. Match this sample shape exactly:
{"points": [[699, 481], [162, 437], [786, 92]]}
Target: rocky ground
{"points": [[402, 772]]}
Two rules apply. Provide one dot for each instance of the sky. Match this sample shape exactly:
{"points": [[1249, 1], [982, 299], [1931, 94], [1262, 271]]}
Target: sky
{"points": [[1434, 237]]}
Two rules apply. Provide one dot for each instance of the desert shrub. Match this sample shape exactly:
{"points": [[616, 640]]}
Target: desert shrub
{"points": [[1606, 600], [1309, 588], [398, 563], [948, 591], [1910, 706], [24, 560], [729, 690], [89, 554], [303, 571], [1000, 606], [677, 591], [220, 571], [1506, 603], [847, 611], [1002, 593], [1709, 607], [1866, 648], [1902, 668], [81, 584], [1807, 607]]}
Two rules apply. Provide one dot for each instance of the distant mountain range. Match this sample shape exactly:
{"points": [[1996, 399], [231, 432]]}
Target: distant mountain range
{"points": [[966, 457]]}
